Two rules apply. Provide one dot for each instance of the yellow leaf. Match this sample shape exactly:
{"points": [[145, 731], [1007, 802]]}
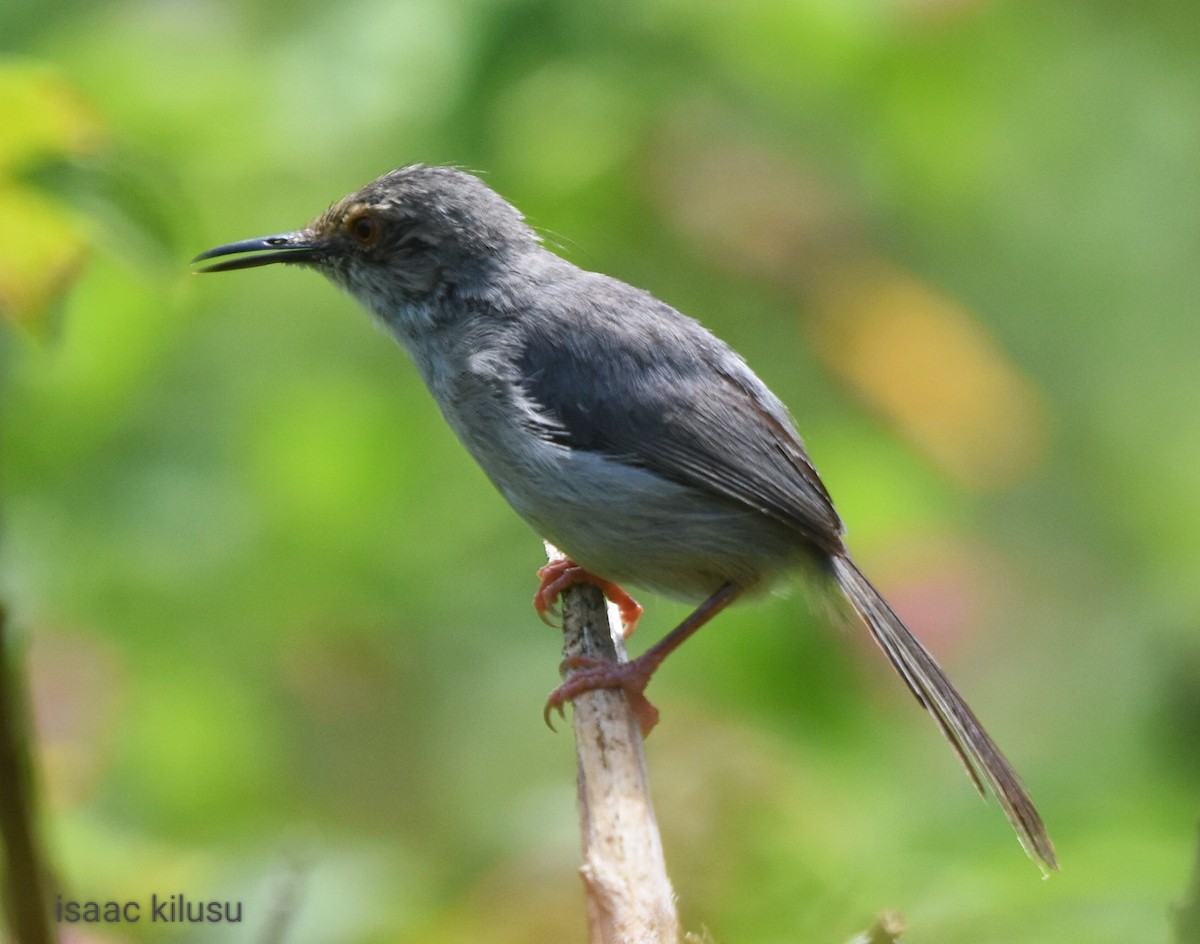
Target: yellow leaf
{"points": [[42, 244]]}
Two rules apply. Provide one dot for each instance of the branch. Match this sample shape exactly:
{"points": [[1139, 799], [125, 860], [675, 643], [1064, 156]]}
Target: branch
{"points": [[629, 897], [25, 893]]}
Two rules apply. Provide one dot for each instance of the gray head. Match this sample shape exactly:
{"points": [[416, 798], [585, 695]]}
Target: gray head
{"points": [[403, 239]]}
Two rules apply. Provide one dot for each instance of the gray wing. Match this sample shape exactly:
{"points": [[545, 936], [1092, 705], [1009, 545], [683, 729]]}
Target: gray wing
{"points": [[656, 389]]}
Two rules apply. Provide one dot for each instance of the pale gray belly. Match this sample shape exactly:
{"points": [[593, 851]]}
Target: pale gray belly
{"points": [[631, 526], [618, 520]]}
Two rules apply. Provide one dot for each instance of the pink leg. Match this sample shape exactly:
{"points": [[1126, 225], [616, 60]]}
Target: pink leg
{"points": [[632, 677], [564, 572]]}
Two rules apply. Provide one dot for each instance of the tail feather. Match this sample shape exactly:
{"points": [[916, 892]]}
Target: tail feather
{"points": [[978, 752]]}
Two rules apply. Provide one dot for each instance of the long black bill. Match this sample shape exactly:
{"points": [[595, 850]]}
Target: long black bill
{"points": [[284, 247]]}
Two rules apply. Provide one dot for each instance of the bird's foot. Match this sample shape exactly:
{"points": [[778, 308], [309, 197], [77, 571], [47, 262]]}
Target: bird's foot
{"points": [[588, 674], [563, 572]]}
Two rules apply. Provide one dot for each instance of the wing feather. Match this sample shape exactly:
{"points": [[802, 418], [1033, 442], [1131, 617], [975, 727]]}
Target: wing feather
{"points": [[656, 389]]}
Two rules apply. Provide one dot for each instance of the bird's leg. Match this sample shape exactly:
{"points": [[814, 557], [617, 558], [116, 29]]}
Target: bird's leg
{"points": [[562, 572], [632, 677]]}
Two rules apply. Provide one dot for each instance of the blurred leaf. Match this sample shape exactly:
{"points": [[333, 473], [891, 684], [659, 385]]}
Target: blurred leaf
{"points": [[65, 191], [928, 366], [887, 929], [42, 115], [42, 252], [1187, 913], [42, 243], [131, 203]]}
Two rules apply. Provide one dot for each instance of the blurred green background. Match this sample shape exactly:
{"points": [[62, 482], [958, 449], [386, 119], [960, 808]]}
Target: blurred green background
{"points": [[278, 624]]}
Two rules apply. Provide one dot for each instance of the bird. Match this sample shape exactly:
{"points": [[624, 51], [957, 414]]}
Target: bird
{"points": [[623, 431]]}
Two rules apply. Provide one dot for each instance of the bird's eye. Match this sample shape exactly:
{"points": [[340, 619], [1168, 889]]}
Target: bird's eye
{"points": [[365, 229]]}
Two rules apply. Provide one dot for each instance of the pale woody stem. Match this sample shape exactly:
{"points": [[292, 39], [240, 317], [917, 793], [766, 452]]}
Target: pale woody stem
{"points": [[629, 897]]}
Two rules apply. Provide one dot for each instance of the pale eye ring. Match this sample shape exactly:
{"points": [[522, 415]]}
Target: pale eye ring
{"points": [[365, 229]]}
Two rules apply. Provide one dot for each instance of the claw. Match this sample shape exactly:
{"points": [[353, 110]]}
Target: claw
{"points": [[550, 707], [632, 677], [591, 674], [562, 573]]}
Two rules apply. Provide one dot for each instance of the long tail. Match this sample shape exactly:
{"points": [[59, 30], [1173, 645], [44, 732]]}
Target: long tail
{"points": [[977, 751]]}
